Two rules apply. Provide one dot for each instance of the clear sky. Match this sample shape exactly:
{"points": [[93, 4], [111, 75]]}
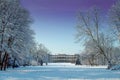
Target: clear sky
{"points": [[55, 21]]}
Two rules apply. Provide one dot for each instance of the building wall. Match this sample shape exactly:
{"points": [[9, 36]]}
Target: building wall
{"points": [[63, 58]]}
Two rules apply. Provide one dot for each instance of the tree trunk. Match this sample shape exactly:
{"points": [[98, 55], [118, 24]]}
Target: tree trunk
{"points": [[13, 66], [3, 61], [0, 57], [6, 62]]}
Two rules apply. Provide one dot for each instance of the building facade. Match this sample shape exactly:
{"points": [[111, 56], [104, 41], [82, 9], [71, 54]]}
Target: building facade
{"points": [[63, 58]]}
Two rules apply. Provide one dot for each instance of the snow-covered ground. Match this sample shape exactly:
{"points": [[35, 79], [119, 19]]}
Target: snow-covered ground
{"points": [[61, 71]]}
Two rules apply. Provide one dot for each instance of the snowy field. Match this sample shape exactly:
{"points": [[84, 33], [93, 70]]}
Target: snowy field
{"points": [[60, 71]]}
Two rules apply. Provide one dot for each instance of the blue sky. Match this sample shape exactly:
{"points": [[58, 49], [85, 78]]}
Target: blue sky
{"points": [[55, 22], [56, 33]]}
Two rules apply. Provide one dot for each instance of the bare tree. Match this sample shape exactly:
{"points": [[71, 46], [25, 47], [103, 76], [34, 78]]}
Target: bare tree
{"points": [[89, 28], [114, 17]]}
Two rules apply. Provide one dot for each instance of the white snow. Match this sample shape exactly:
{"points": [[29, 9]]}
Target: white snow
{"points": [[60, 71]]}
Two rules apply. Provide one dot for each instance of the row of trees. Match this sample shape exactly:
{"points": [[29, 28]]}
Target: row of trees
{"points": [[15, 32], [40, 54], [100, 34], [17, 45]]}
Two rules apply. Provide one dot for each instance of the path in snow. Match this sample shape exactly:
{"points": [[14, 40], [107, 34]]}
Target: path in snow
{"points": [[60, 72]]}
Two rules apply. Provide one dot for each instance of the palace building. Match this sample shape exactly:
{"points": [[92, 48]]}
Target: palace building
{"points": [[64, 58]]}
